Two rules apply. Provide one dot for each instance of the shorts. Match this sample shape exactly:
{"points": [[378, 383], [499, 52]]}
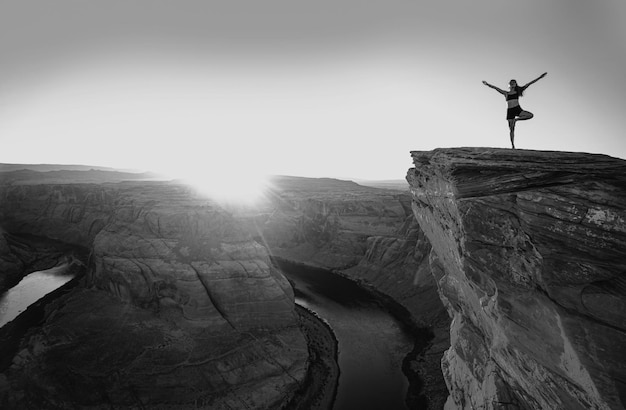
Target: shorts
{"points": [[513, 112]]}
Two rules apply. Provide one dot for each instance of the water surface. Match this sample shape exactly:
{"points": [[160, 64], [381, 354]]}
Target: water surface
{"points": [[372, 343], [31, 288]]}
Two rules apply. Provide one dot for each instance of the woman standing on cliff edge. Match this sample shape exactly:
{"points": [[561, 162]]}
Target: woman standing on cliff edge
{"points": [[515, 113]]}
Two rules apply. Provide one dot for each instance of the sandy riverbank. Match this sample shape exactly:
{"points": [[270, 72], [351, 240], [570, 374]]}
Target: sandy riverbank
{"points": [[320, 385]]}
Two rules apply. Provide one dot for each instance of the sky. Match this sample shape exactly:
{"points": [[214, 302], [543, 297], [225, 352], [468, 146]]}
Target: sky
{"points": [[324, 88]]}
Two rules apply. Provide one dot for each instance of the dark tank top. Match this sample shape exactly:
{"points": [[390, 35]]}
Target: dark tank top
{"points": [[512, 96]]}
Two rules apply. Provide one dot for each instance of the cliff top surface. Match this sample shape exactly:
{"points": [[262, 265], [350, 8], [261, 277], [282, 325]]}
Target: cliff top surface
{"points": [[506, 156], [512, 158], [478, 171]]}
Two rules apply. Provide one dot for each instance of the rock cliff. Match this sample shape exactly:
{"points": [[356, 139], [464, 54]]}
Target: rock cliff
{"points": [[528, 249], [179, 307]]}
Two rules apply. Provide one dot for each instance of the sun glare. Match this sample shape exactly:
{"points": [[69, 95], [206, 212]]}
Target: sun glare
{"points": [[219, 172], [228, 187]]}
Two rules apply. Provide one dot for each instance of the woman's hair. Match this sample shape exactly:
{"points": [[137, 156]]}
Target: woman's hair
{"points": [[518, 89]]}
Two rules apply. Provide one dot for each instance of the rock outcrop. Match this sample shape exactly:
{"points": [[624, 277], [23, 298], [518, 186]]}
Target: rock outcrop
{"points": [[179, 307], [529, 252]]}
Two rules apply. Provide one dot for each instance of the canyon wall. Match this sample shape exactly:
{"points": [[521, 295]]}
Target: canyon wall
{"points": [[180, 305], [368, 235], [529, 254], [365, 233]]}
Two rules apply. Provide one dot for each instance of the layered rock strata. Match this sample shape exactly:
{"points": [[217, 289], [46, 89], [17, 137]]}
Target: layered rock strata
{"points": [[327, 222], [529, 256], [180, 306]]}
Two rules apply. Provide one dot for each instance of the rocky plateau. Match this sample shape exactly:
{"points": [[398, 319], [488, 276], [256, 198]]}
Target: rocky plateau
{"points": [[179, 306]]}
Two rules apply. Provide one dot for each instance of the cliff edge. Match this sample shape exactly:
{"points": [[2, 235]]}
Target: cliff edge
{"points": [[530, 262]]}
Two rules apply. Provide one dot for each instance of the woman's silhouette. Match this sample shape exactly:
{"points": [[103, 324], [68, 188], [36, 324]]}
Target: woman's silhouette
{"points": [[515, 113]]}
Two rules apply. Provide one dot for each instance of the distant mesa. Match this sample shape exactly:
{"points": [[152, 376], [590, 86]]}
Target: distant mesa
{"points": [[26, 174], [58, 167]]}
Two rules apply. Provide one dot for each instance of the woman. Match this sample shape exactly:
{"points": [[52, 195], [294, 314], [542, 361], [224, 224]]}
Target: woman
{"points": [[515, 112]]}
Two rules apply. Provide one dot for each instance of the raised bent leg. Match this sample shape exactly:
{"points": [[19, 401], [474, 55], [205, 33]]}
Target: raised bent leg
{"points": [[524, 115]]}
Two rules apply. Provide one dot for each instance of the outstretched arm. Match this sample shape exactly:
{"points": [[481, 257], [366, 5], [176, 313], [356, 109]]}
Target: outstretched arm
{"points": [[535, 80], [495, 88]]}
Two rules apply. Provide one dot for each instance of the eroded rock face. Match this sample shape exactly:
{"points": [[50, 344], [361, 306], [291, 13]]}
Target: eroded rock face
{"points": [[399, 266], [326, 222], [529, 254], [180, 306]]}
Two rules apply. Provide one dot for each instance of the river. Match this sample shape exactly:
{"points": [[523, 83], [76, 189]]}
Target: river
{"points": [[30, 289], [372, 343]]}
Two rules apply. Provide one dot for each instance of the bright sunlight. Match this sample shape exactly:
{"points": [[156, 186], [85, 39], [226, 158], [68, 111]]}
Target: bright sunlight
{"points": [[228, 185], [232, 189]]}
